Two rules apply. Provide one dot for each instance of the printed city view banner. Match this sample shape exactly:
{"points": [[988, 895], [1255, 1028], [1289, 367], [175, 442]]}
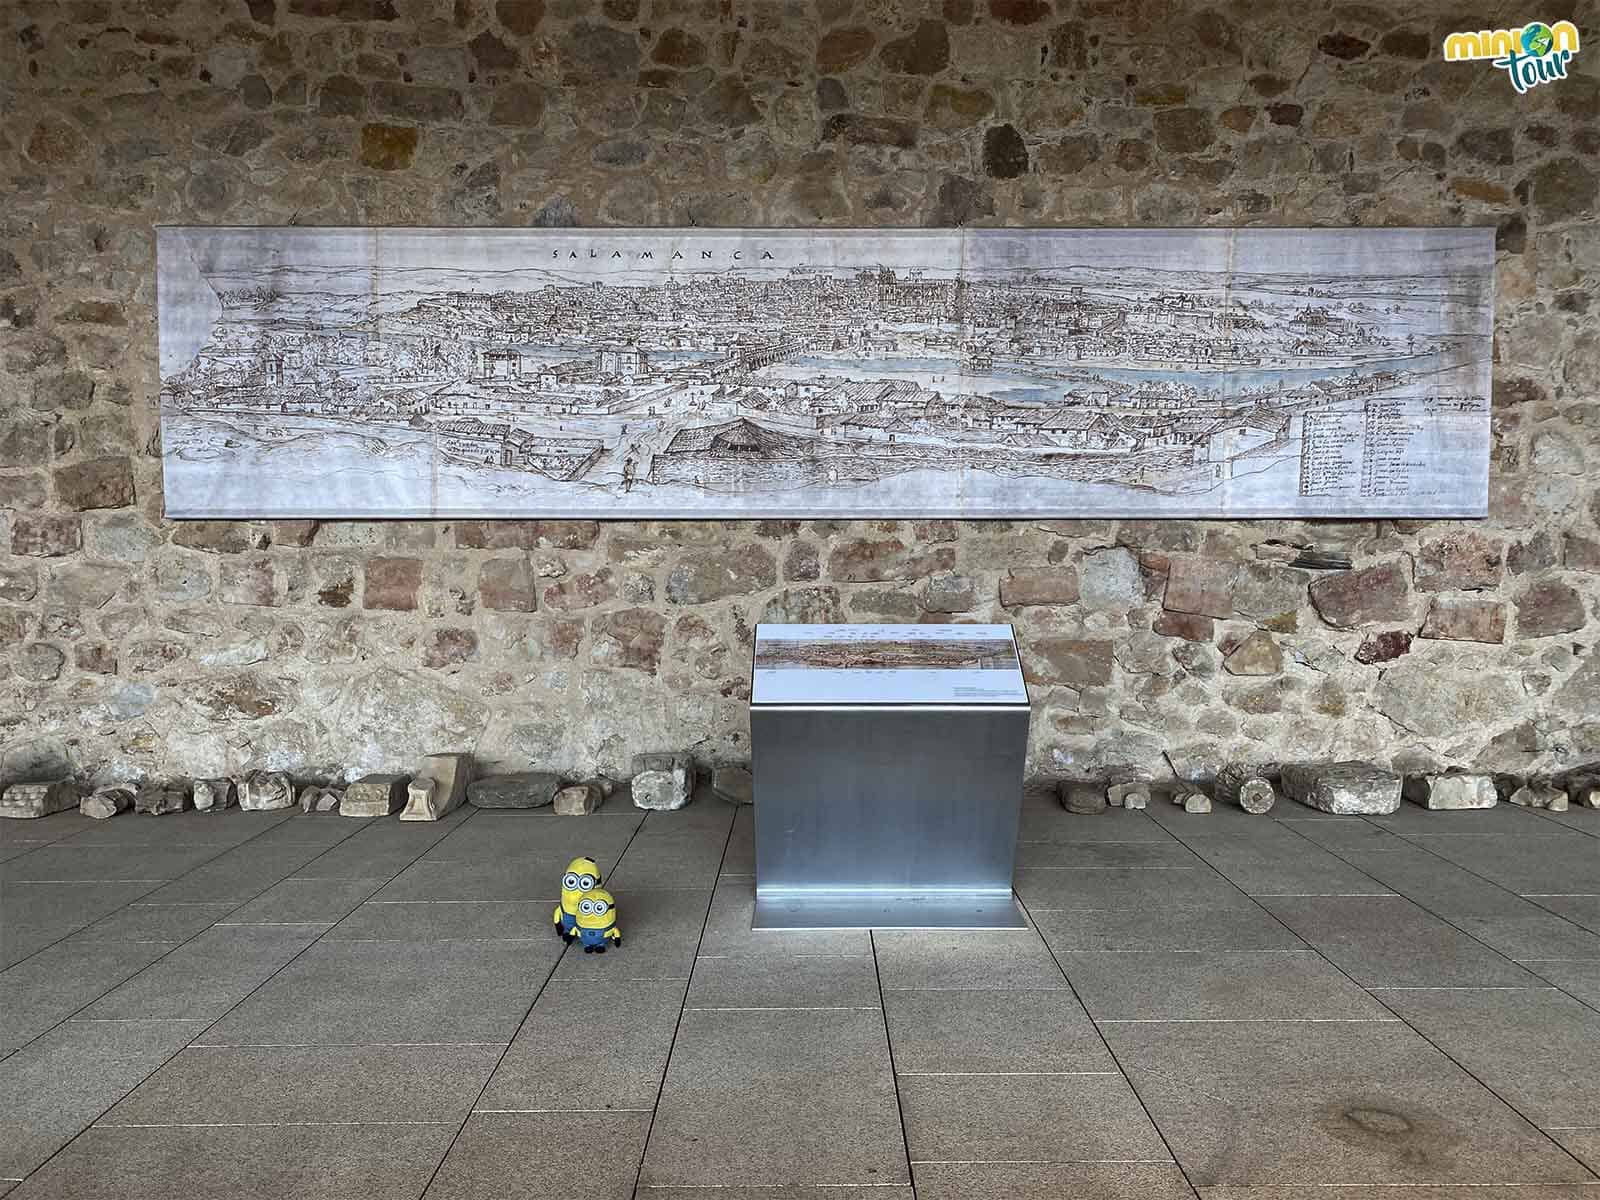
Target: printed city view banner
{"points": [[761, 373]]}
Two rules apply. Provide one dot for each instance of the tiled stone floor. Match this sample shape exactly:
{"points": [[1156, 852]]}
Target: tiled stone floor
{"points": [[1234, 1007]]}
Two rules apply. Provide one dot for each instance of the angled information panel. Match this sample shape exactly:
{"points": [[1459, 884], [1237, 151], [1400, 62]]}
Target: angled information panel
{"points": [[886, 664], [722, 373]]}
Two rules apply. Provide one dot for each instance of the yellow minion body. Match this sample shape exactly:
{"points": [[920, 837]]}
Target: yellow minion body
{"points": [[582, 874], [597, 921]]}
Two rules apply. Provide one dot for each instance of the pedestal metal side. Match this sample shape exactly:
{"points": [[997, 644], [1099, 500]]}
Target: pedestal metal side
{"points": [[887, 816]]}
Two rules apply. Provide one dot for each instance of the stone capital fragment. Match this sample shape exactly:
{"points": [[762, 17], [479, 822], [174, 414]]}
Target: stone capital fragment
{"points": [[1192, 799], [578, 800], [734, 784], [266, 791], [108, 801], [662, 782], [1451, 790], [38, 799], [158, 799], [214, 795], [316, 798], [1343, 788], [374, 796], [1081, 797], [440, 786], [524, 789]]}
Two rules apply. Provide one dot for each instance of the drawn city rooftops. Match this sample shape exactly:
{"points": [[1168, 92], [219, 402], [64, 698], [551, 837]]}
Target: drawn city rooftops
{"points": [[739, 436]]}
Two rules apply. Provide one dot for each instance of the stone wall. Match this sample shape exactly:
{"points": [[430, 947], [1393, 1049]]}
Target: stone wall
{"points": [[138, 645]]}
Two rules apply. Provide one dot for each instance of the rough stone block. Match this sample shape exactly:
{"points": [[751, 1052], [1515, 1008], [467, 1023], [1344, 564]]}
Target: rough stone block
{"points": [[578, 800], [1080, 797], [1451, 790], [266, 791], [1462, 619], [106, 802], [525, 789], [1247, 787], [662, 782], [214, 795], [159, 799], [1345, 788], [1539, 793], [1192, 799], [1366, 596], [1128, 793], [439, 787], [374, 796], [734, 784], [38, 799], [316, 798]]}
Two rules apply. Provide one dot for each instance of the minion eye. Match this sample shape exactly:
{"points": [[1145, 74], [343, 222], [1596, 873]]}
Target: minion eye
{"points": [[586, 882], [570, 882], [586, 906], [599, 907]]}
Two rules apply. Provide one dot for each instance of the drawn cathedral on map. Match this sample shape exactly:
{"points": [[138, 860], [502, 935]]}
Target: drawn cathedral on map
{"points": [[665, 373]]}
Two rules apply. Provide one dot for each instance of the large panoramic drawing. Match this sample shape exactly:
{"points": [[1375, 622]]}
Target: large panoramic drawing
{"points": [[712, 373]]}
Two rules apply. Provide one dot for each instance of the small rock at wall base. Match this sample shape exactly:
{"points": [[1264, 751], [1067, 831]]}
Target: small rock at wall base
{"points": [[374, 796], [525, 789], [734, 784], [1343, 788], [1080, 797], [1533, 793], [1136, 798], [316, 798], [1192, 799], [108, 801], [214, 795], [439, 787], [266, 791], [40, 799], [159, 799], [578, 800], [662, 782], [1583, 790], [1451, 790]]}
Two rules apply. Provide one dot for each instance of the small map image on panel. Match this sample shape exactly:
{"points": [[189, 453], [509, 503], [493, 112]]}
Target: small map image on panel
{"points": [[985, 654]]}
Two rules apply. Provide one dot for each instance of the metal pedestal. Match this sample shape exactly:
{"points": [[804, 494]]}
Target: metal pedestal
{"points": [[887, 816]]}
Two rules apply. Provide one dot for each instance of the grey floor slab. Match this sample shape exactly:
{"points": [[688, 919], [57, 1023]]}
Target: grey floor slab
{"points": [[1280, 869], [832, 1191], [518, 835], [1523, 864], [447, 920], [57, 982], [133, 862], [671, 860], [1105, 854], [1345, 833], [728, 928], [56, 1086], [1052, 823], [294, 900], [1051, 1181], [983, 959], [368, 993], [1118, 887], [740, 855], [239, 874], [1462, 1191], [1012, 1118], [1005, 1029], [492, 879], [755, 1098], [660, 934], [1539, 1048], [1412, 820], [1305, 1102], [1582, 910], [330, 1162], [1527, 931], [593, 1044], [379, 846], [1237, 923], [1582, 1144], [43, 830], [323, 829], [38, 914], [228, 828], [784, 981], [142, 922], [208, 975], [313, 1084], [1199, 985], [1578, 977], [592, 1155], [1438, 885], [1387, 941]]}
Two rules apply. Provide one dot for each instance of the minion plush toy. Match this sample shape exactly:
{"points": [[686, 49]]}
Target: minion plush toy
{"points": [[597, 921], [582, 874]]}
